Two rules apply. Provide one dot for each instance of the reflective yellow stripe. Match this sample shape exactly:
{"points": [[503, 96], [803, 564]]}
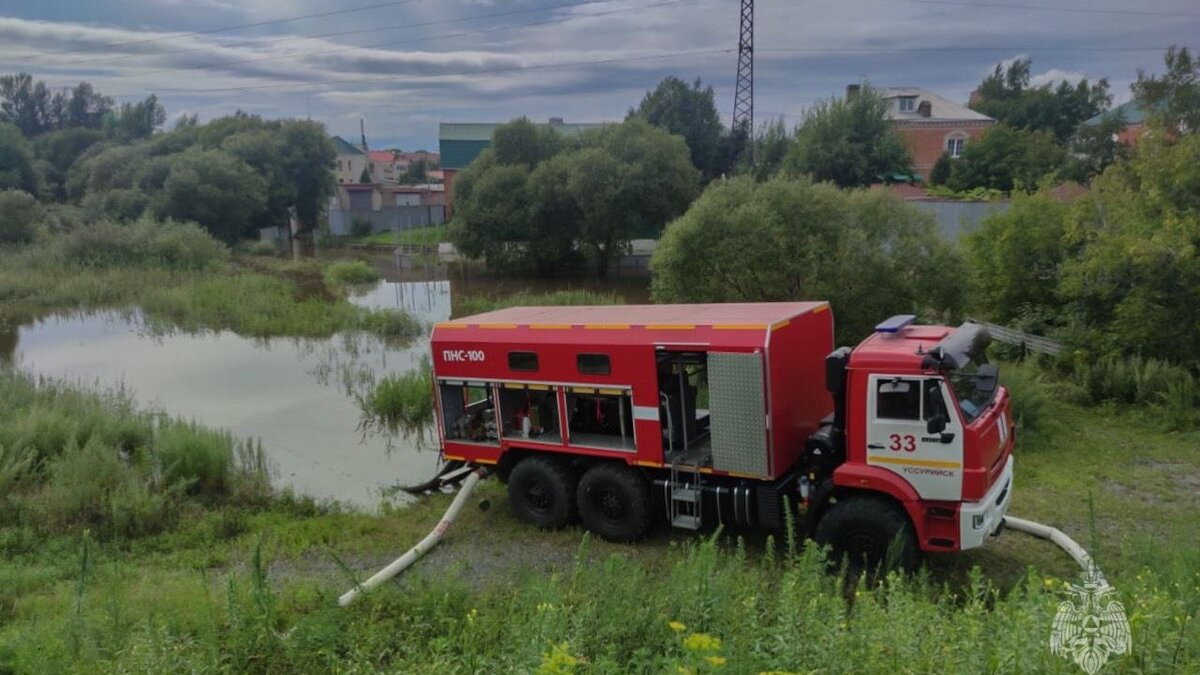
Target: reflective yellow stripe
{"points": [[550, 326], [606, 326], [822, 308], [739, 326], [497, 325], [780, 324], [608, 391], [451, 325], [905, 461], [670, 326]]}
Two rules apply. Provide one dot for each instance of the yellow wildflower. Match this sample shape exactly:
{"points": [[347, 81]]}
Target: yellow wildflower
{"points": [[677, 626], [716, 661], [701, 642]]}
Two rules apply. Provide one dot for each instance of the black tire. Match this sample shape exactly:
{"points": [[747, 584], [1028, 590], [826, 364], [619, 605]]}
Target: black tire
{"points": [[867, 532], [614, 502], [541, 492]]}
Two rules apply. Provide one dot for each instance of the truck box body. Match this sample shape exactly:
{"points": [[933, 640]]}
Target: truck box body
{"points": [[734, 388]]}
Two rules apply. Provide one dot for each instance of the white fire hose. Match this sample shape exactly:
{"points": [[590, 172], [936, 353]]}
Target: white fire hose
{"points": [[1052, 534], [405, 561], [1055, 535]]}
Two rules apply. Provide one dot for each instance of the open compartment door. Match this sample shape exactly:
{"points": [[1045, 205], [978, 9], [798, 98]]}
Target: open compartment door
{"points": [[738, 411]]}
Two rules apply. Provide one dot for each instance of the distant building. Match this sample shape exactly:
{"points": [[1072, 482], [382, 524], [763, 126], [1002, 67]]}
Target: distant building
{"points": [[351, 160], [1135, 122], [930, 124], [386, 207], [461, 142]]}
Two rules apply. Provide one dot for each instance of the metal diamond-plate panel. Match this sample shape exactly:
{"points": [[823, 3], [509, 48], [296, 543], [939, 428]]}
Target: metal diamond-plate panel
{"points": [[738, 413]]}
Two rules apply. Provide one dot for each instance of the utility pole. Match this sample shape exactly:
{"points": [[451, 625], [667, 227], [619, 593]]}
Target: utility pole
{"points": [[743, 98]]}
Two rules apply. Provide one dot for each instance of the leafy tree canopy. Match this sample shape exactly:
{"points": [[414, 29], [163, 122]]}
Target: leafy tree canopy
{"points": [[1006, 158], [1172, 99], [788, 239], [690, 112], [1006, 95], [848, 142], [16, 161]]}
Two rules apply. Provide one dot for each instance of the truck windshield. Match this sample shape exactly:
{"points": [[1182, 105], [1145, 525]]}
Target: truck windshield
{"points": [[975, 386]]}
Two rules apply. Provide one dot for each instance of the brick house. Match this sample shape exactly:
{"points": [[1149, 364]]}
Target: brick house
{"points": [[351, 160], [1134, 116], [930, 124]]}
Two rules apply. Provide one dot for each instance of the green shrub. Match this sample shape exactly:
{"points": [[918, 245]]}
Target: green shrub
{"points": [[477, 304], [402, 402], [199, 459], [263, 248], [360, 227], [20, 215], [1135, 380], [167, 244], [940, 173], [392, 324], [350, 273]]}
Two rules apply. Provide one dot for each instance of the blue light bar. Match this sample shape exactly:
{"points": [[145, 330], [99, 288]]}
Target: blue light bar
{"points": [[896, 323]]}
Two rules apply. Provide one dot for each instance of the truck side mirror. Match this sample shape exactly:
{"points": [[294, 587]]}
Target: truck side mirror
{"points": [[936, 424]]}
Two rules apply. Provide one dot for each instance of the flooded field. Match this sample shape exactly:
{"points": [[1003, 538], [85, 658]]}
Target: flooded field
{"points": [[299, 396]]}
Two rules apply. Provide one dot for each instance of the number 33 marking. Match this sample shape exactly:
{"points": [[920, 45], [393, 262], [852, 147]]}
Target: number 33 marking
{"points": [[906, 443]]}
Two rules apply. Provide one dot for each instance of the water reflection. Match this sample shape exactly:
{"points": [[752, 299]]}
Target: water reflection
{"points": [[300, 397], [296, 395]]}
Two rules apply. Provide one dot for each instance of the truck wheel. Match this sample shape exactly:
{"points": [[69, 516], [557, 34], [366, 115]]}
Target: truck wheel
{"points": [[867, 531], [541, 491], [614, 502]]}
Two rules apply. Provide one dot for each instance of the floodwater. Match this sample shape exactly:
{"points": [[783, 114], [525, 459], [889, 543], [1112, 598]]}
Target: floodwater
{"points": [[297, 395]]}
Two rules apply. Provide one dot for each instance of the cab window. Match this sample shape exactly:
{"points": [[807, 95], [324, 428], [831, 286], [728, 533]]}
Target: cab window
{"points": [[898, 399]]}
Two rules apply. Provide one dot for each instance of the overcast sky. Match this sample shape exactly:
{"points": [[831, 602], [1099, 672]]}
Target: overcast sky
{"points": [[404, 66]]}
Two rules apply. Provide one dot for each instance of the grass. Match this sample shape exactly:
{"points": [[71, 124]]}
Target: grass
{"points": [[251, 586], [419, 236], [401, 402], [350, 273], [180, 277], [476, 304]]}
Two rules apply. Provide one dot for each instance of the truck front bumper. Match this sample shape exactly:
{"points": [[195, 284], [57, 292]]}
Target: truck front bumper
{"points": [[976, 520]]}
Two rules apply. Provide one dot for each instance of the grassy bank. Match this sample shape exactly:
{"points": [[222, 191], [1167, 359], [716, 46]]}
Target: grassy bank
{"points": [[180, 276], [475, 304], [233, 584]]}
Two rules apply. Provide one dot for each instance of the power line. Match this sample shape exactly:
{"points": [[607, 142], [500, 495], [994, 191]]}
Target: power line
{"points": [[478, 71], [358, 31], [494, 29], [211, 31], [1074, 9], [1000, 48]]}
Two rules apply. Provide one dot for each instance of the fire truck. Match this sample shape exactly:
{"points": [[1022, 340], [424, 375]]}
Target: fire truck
{"points": [[732, 414]]}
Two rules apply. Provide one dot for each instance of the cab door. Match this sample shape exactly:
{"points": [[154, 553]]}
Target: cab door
{"points": [[901, 439]]}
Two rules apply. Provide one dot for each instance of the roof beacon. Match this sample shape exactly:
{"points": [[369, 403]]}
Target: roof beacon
{"points": [[896, 323]]}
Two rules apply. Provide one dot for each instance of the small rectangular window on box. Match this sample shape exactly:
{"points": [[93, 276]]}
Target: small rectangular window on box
{"points": [[594, 364], [525, 361]]}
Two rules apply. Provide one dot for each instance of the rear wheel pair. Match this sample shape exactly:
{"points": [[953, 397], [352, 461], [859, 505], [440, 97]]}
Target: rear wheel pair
{"points": [[867, 533], [612, 500]]}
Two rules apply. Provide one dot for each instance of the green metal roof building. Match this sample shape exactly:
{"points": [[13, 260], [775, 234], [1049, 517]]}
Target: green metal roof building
{"points": [[344, 147], [461, 142]]}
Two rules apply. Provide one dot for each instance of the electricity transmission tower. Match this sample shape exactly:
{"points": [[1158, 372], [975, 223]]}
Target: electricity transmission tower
{"points": [[743, 98]]}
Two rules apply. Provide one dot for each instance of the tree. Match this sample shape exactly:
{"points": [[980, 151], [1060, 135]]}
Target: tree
{"points": [[849, 142], [940, 173], [86, 108], [16, 161], [215, 190], [1133, 280], [307, 157], [645, 181], [522, 142], [1015, 258], [1006, 158], [35, 109], [868, 252], [262, 150], [365, 176], [771, 145], [491, 218], [20, 215], [690, 112], [133, 121], [1095, 147], [415, 173], [1059, 109], [1172, 100], [59, 150]]}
